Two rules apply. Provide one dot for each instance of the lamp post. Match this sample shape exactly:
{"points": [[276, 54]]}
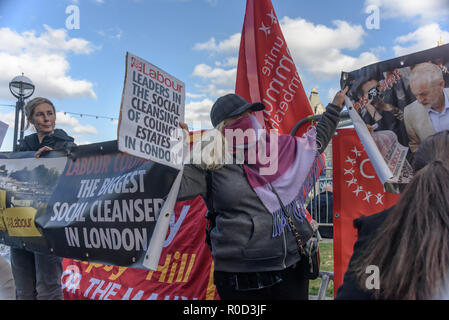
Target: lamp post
{"points": [[22, 88]]}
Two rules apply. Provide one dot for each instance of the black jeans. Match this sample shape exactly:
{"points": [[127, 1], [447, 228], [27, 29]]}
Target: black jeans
{"points": [[292, 286], [36, 275]]}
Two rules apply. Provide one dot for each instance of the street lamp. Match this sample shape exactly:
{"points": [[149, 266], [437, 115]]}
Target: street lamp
{"points": [[22, 88]]}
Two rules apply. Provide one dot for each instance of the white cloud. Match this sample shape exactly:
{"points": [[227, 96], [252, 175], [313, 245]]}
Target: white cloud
{"points": [[198, 111], [218, 75], [112, 33], [194, 95], [319, 48], [331, 94], [423, 10], [219, 81], [228, 62], [80, 141], [65, 119], [231, 44], [213, 90], [42, 58], [9, 118], [52, 40], [424, 37]]}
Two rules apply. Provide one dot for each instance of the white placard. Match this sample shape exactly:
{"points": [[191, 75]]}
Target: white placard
{"points": [[152, 105], [3, 130]]}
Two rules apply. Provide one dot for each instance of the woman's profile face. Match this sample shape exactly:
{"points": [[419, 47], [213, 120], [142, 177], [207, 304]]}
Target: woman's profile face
{"points": [[44, 118], [230, 121]]}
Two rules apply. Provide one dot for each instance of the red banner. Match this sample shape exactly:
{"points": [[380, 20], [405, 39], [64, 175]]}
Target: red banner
{"points": [[266, 71], [357, 192], [185, 270]]}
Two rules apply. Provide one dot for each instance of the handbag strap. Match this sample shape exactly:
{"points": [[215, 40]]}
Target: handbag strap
{"points": [[290, 222]]}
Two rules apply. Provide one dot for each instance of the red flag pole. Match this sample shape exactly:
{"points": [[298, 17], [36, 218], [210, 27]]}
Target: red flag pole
{"points": [[247, 64], [250, 49], [266, 72]]}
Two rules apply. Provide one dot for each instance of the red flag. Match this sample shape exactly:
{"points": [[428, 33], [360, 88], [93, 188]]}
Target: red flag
{"points": [[266, 72], [357, 192]]}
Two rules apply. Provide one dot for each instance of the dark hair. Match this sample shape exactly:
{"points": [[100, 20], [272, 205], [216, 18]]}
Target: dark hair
{"points": [[411, 247], [359, 91]]}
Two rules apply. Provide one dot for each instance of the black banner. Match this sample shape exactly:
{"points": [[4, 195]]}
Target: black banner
{"points": [[95, 204]]}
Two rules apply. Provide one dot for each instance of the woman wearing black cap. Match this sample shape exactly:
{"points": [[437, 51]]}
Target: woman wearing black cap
{"points": [[255, 253]]}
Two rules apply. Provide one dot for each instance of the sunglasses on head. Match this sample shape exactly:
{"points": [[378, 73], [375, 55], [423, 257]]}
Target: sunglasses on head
{"points": [[373, 93]]}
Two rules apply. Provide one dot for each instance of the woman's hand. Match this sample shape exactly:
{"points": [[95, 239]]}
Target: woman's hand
{"points": [[184, 126], [339, 99], [42, 150]]}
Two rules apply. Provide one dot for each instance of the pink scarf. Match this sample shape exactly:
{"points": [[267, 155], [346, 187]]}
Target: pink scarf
{"points": [[299, 166]]}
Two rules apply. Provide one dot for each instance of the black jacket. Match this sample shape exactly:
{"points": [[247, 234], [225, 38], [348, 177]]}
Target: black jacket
{"points": [[242, 237], [366, 226], [59, 140]]}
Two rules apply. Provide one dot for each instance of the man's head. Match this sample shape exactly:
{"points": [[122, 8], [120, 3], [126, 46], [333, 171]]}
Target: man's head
{"points": [[427, 84]]}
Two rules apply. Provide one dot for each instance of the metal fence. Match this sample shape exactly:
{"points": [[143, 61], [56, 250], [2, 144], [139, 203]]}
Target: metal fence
{"points": [[320, 200]]}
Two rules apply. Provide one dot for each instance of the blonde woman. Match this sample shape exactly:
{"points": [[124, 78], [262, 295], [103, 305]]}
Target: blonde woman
{"points": [[255, 254]]}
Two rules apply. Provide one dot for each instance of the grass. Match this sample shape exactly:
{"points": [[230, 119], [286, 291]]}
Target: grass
{"points": [[327, 264]]}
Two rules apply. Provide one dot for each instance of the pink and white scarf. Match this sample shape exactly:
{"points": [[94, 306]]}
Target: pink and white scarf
{"points": [[299, 166]]}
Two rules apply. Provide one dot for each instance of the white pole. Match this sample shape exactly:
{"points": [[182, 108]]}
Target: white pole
{"points": [[376, 158], [153, 253]]}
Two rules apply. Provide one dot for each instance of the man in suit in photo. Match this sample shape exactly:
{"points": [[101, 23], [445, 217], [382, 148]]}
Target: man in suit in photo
{"points": [[430, 112]]}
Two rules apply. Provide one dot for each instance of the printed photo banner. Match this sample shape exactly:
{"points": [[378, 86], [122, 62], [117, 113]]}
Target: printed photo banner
{"points": [[394, 101], [97, 204], [26, 185]]}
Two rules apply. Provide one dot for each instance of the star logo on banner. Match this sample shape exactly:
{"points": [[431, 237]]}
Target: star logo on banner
{"points": [[379, 197], [265, 29], [356, 152], [272, 17], [368, 196], [351, 182], [350, 160], [358, 190]]}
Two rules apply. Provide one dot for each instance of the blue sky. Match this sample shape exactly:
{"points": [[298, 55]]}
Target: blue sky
{"points": [[82, 70]]}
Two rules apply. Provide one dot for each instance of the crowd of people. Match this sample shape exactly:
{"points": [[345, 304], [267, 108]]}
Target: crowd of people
{"points": [[253, 215]]}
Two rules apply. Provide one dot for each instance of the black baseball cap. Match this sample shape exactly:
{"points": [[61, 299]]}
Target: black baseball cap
{"points": [[231, 105]]}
